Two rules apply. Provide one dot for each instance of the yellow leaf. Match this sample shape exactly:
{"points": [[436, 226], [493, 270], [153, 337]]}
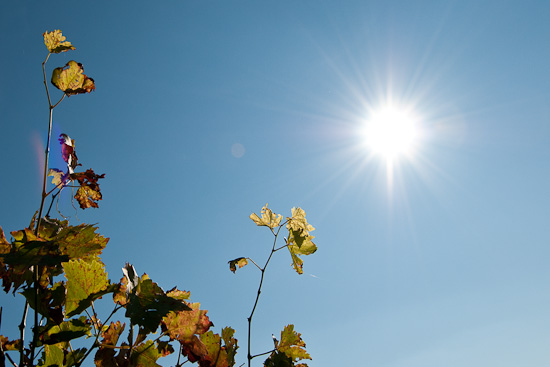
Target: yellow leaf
{"points": [[55, 42], [268, 219], [72, 80]]}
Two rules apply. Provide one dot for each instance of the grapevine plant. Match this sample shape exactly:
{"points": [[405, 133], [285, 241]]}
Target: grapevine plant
{"points": [[56, 267]]}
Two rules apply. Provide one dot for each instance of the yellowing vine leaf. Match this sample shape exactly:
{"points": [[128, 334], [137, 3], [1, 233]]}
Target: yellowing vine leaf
{"points": [[182, 325], [85, 279], [268, 219], [72, 80], [292, 344], [55, 42], [299, 240]]}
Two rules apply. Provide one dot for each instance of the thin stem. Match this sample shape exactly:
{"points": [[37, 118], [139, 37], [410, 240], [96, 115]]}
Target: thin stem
{"points": [[264, 353], [253, 262], [22, 327], [117, 307], [275, 234]]}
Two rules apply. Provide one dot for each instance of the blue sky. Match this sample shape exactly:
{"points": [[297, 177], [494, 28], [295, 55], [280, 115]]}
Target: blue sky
{"points": [[447, 266]]}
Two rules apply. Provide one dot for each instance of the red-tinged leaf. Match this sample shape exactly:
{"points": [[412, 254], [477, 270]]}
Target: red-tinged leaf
{"points": [[240, 262], [72, 80], [193, 348], [87, 197], [9, 344], [105, 356], [85, 282], [88, 193], [183, 325], [55, 42], [218, 355], [177, 294], [165, 348], [68, 152], [112, 333]]}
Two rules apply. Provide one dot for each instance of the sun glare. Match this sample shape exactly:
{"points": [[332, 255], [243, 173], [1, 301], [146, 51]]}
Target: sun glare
{"points": [[391, 133]]}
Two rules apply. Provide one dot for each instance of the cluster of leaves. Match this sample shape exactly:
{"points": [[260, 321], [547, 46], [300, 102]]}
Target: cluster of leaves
{"points": [[291, 348], [73, 251], [58, 270], [299, 241]]}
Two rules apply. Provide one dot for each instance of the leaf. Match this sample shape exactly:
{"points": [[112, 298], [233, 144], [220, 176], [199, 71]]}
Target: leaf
{"points": [[149, 305], [55, 42], [299, 240], [145, 355], [105, 356], [52, 356], [51, 302], [72, 80], [88, 193], [9, 344], [66, 331], [80, 242], [268, 219], [58, 177], [85, 282], [177, 294], [182, 325], [230, 344], [241, 261], [292, 344], [68, 153], [132, 279], [278, 359]]}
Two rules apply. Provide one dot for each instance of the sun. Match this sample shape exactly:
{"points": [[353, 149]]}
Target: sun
{"points": [[391, 133]]}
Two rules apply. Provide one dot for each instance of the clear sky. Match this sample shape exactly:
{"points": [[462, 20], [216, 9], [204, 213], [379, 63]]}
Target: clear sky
{"points": [[206, 110]]}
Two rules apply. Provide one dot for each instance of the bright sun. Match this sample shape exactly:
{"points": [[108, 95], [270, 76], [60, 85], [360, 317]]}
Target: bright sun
{"points": [[391, 132]]}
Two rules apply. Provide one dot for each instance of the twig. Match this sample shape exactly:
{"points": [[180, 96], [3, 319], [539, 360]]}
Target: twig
{"points": [[276, 234]]}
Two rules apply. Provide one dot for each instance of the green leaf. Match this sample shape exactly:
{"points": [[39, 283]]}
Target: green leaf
{"points": [[80, 242], [52, 356], [241, 261], [292, 344], [55, 42], [66, 331], [230, 344], [268, 219], [72, 80], [278, 359], [145, 355], [86, 281]]}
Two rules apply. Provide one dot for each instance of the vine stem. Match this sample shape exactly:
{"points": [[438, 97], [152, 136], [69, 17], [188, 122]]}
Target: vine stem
{"points": [[262, 270], [42, 200]]}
